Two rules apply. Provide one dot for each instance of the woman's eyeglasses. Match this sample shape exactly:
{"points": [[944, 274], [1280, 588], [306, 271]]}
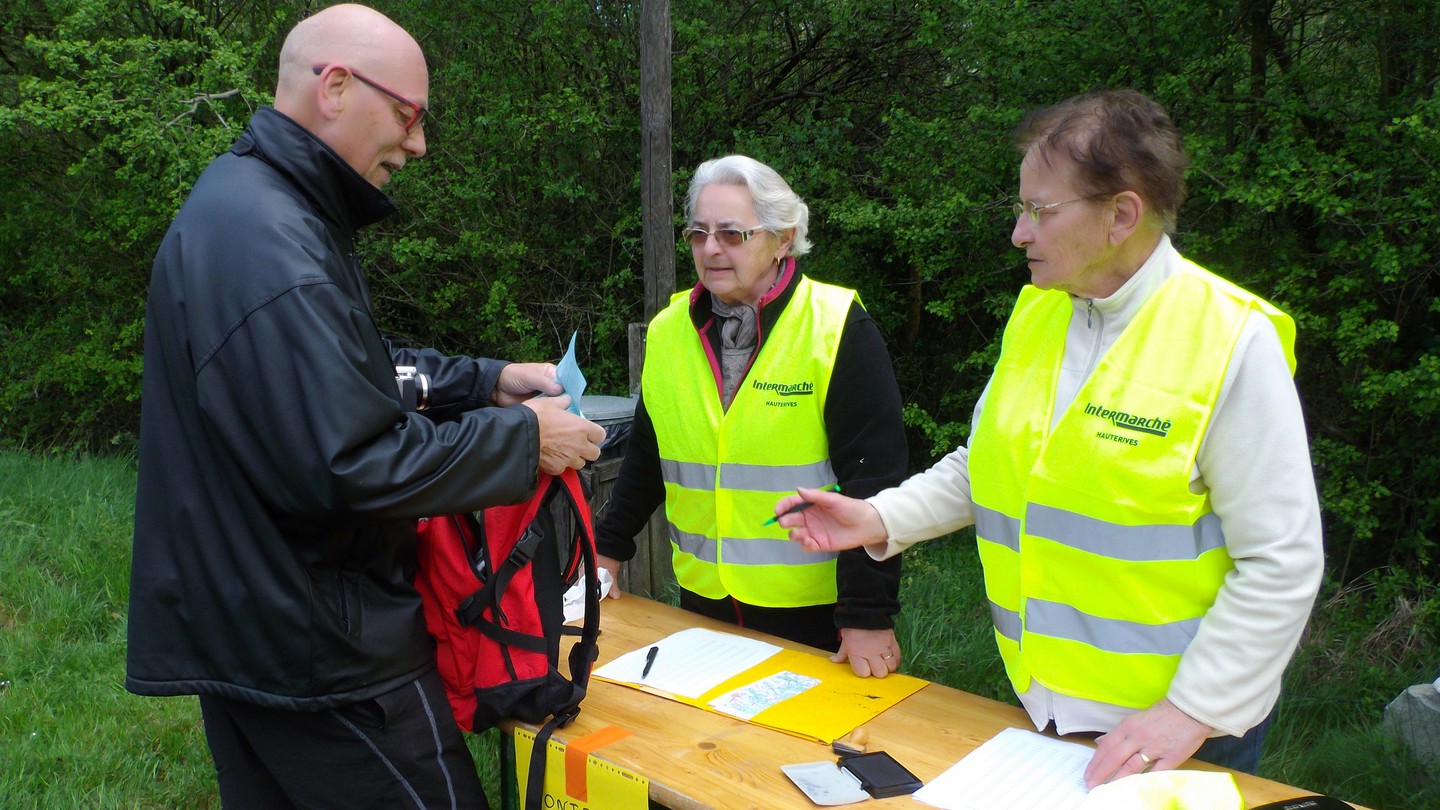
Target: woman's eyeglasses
{"points": [[728, 237], [1030, 209]]}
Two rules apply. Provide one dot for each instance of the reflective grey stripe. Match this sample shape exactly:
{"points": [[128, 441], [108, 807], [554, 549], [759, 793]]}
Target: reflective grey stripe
{"points": [[761, 477], [776, 477], [997, 528], [688, 474], [1127, 543], [770, 552], [746, 552], [696, 545], [1007, 622], [1112, 635]]}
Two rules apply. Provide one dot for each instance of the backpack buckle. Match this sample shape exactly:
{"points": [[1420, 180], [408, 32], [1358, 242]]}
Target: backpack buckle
{"points": [[524, 548]]}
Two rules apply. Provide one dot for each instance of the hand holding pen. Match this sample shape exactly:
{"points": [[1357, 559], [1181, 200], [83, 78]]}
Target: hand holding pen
{"points": [[823, 520], [799, 507]]}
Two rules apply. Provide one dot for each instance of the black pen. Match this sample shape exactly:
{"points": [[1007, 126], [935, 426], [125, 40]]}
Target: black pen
{"points": [[649, 662], [802, 506]]}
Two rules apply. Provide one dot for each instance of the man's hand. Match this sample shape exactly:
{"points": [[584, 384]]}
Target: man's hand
{"points": [[835, 522], [566, 440], [520, 381], [613, 566], [871, 653], [1160, 738]]}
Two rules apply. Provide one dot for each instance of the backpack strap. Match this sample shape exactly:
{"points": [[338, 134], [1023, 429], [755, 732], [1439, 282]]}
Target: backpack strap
{"points": [[471, 610], [582, 654], [585, 650]]}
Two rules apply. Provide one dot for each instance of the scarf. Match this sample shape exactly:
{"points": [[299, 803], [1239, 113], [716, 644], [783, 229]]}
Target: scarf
{"points": [[739, 335]]}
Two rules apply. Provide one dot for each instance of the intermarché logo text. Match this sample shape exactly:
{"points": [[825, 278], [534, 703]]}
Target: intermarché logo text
{"points": [[799, 389], [1153, 425]]}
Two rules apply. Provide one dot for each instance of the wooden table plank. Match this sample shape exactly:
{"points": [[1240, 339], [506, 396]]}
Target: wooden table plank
{"points": [[702, 760]]}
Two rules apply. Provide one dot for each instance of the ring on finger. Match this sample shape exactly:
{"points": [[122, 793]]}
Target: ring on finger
{"points": [[1143, 758]]}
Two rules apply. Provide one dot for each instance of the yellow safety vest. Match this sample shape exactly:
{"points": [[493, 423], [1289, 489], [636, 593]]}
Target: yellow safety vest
{"points": [[1099, 560], [724, 470]]}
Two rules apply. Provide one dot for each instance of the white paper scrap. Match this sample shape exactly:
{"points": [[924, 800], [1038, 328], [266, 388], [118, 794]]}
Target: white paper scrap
{"points": [[575, 597], [825, 783], [749, 700]]}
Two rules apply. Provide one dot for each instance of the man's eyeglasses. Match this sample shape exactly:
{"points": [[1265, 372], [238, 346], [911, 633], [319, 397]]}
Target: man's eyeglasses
{"points": [[1032, 210], [729, 237], [417, 112]]}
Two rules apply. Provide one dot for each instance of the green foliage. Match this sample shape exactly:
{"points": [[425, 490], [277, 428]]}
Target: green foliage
{"points": [[110, 111], [1314, 130], [522, 224]]}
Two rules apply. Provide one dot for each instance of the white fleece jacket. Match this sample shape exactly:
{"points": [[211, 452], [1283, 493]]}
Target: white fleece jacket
{"points": [[1255, 461]]}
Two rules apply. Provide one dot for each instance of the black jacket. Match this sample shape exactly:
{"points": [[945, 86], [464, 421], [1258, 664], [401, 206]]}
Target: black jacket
{"points": [[865, 428], [280, 478]]}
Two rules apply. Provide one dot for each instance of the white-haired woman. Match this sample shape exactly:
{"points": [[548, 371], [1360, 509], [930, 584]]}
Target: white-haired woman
{"points": [[757, 381]]}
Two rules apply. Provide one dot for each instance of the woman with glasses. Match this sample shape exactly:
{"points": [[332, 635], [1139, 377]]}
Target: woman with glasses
{"points": [[1138, 472], [757, 381]]}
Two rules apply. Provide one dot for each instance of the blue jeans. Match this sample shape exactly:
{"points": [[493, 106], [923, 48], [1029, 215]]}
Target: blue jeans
{"points": [[1237, 753]]}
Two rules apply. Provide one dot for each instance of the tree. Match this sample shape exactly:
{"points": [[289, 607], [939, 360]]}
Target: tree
{"points": [[110, 111], [1312, 126]]}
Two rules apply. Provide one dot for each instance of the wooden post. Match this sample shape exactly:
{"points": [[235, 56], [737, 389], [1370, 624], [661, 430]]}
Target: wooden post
{"points": [[655, 183], [650, 568]]}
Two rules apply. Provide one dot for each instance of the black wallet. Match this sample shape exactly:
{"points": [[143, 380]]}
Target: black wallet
{"points": [[880, 774]]}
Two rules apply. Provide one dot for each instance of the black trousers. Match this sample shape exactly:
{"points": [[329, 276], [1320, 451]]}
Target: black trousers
{"points": [[813, 625], [399, 750]]}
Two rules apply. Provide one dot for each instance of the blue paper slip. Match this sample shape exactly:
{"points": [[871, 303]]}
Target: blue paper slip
{"points": [[569, 374]]}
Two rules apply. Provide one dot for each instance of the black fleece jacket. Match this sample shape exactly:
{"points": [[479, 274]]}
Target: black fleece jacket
{"points": [[865, 429], [280, 477]]}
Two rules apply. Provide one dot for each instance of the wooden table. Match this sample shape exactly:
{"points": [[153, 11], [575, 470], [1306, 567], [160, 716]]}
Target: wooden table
{"points": [[702, 760]]}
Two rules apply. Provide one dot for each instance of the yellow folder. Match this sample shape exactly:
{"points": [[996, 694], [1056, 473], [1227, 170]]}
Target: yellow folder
{"points": [[839, 704]]}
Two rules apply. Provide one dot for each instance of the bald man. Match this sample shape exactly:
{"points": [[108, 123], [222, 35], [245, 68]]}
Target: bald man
{"points": [[283, 462]]}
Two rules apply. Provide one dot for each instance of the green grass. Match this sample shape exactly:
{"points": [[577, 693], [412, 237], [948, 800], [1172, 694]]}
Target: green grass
{"points": [[72, 737]]}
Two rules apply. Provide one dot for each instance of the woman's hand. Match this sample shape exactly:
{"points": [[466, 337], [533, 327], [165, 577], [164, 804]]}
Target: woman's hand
{"points": [[833, 522], [871, 653], [1160, 738], [613, 566]]}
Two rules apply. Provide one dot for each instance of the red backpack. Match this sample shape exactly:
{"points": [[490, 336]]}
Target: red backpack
{"points": [[493, 592]]}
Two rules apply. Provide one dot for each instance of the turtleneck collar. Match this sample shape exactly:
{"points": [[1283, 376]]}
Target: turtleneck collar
{"points": [[1136, 289]]}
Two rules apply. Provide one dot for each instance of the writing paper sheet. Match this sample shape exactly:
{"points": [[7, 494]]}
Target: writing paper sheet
{"points": [[689, 663], [1014, 770]]}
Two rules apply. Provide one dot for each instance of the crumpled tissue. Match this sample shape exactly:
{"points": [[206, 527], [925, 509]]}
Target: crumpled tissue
{"points": [[575, 597]]}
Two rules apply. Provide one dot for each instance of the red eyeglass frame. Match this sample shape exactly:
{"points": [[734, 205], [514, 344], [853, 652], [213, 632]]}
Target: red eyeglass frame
{"points": [[418, 112]]}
